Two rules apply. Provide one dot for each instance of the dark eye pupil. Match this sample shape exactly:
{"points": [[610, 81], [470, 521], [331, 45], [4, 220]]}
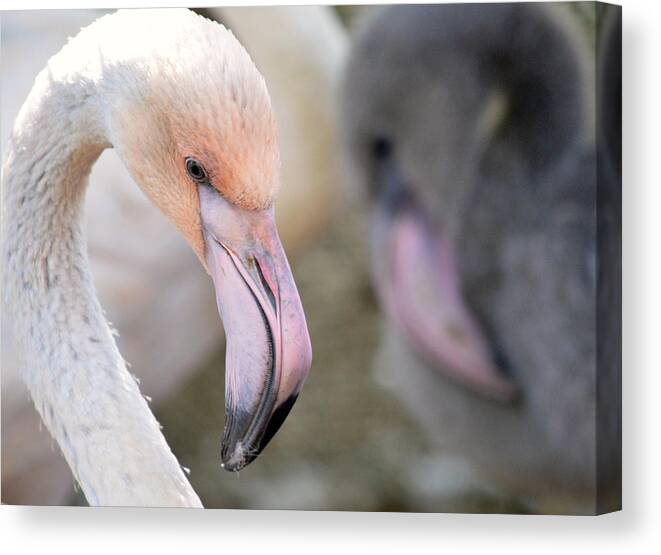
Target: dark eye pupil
{"points": [[381, 148], [195, 170]]}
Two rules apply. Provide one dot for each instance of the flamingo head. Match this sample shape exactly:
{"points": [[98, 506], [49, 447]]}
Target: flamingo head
{"points": [[197, 133]]}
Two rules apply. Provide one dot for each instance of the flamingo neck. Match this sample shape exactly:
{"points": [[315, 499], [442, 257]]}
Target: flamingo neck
{"points": [[77, 378]]}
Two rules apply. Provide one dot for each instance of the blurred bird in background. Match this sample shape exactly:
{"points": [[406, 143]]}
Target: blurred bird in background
{"points": [[471, 127]]}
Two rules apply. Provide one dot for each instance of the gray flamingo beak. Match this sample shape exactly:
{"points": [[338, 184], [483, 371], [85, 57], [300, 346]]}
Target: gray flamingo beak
{"points": [[268, 347]]}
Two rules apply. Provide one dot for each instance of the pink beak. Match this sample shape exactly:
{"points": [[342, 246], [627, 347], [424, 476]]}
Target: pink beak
{"points": [[268, 346], [417, 280]]}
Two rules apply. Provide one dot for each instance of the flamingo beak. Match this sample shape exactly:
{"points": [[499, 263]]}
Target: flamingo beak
{"points": [[417, 279], [268, 347]]}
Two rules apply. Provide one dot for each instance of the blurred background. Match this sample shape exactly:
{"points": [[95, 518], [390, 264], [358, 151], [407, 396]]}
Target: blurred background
{"points": [[349, 443]]}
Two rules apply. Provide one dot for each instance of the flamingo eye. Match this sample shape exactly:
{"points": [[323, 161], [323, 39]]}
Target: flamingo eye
{"points": [[381, 148], [196, 171]]}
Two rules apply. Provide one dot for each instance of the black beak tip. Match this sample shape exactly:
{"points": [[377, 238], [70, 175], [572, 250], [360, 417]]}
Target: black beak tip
{"points": [[277, 418], [237, 456]]}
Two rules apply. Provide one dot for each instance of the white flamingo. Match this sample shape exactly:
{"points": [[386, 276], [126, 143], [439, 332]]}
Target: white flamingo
{"points": [[300, 58], [190, 117]]}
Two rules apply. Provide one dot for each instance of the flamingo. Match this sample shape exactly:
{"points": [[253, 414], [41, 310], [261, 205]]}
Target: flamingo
{"points": [[301, 72], [190, 117], [471, 126]]}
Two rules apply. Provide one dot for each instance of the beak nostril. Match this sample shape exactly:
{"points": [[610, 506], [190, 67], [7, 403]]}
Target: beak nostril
{"points": [[265, 284]]}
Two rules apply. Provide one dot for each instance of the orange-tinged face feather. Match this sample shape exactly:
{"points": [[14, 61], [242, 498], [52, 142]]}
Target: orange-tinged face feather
{"points": [[242, 163], [213, 109]]}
